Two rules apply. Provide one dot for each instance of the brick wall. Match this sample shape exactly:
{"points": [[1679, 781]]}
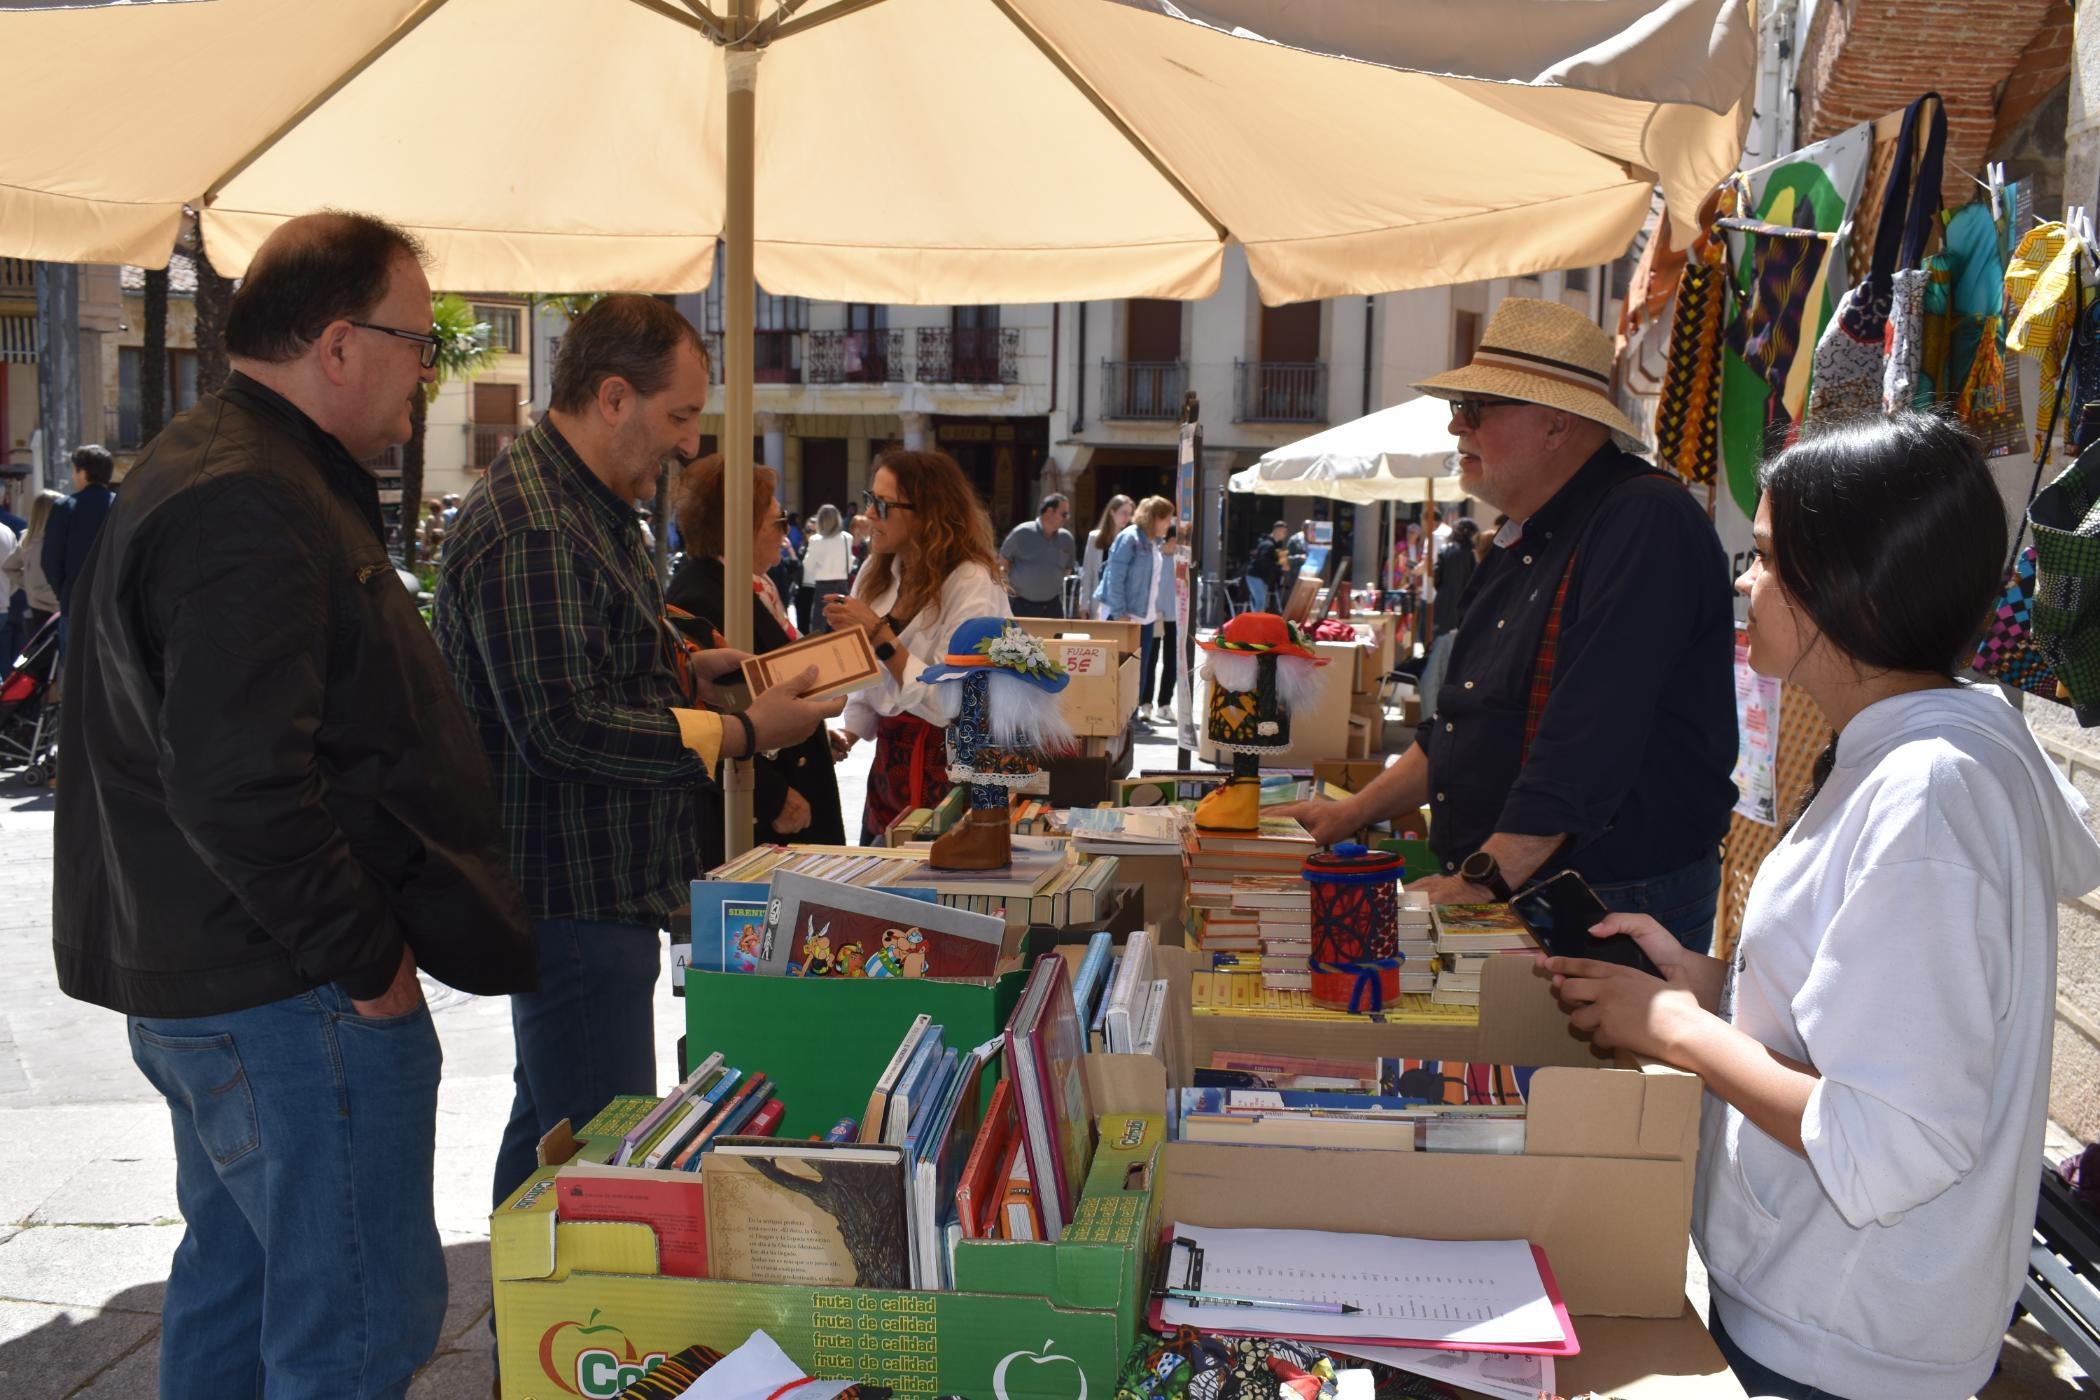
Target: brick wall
{"points": [[1993, 61]]}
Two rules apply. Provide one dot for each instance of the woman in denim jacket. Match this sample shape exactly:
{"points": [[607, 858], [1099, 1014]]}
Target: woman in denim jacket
{"points": [[1135, 580]]}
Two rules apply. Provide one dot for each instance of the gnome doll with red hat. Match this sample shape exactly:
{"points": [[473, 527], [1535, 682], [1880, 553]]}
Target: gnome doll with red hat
{"points": [[1009, 710], [1260, 668]]}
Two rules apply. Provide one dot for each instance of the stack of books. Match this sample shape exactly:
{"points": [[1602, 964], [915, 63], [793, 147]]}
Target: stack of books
{"points": [[1417, 944], [1281, 906], [1218, 860], [1467, 935], [1385, 1104], [1231, 994], [1031, 817], [925, 823]]}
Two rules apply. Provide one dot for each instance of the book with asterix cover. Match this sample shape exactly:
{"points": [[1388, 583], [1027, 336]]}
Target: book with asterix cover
{"points": [[822, 928]]}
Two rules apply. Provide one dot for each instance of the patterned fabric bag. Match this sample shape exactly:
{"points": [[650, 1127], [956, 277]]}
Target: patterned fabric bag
{"points": [[1688, 416], [1852, 373], [1903, 381], [1766, 329], [2066, 607], [2011, 651]]}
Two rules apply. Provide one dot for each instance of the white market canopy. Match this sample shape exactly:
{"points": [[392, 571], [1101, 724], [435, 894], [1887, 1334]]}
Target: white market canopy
{"points": [[906, 151], [1403, 453]]}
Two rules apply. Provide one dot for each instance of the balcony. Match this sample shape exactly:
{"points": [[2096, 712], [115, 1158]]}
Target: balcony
{"points": [[1142, 389], [857, 357], [17, 277], [968, 355], [1265, 391], [776, 357], [488, 442]]}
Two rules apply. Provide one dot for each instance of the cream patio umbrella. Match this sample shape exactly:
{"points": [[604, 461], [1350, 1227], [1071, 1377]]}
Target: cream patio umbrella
{"points": [[912, 151], [1402, 453]]}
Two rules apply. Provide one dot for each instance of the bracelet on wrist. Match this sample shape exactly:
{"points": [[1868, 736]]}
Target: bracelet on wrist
{"points": [[750, 736]]}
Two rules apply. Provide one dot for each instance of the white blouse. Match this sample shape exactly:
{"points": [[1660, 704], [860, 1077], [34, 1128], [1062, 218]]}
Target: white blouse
{"points": [[971, 591]]}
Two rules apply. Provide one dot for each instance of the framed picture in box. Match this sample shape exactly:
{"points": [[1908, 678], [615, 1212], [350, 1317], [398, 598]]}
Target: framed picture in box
{"points": [[845, 662]]}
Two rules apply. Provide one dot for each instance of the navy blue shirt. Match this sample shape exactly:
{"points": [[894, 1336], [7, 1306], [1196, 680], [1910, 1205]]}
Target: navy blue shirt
{"points": [[1637, 742]]}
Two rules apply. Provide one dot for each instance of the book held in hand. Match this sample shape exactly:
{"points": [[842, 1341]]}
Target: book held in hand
{"points": [[844, 659]]}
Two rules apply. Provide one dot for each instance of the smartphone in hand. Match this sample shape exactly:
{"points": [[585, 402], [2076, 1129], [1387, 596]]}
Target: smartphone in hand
{"points": [[1575, 910]]}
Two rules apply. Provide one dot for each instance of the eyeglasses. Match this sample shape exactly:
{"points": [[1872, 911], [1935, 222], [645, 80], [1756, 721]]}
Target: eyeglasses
{"points": [[428, 343], [1470, 407], [879, 508]]}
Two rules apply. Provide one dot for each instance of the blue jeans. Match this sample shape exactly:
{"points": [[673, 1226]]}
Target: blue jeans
{"points": [[304, 1145], [585, 1037], [1683, 901], [1258, 592], [1757, 1378], [1148, 652]]}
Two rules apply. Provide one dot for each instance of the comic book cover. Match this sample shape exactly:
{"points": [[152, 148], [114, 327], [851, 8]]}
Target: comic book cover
{"points": [[821, 928]]}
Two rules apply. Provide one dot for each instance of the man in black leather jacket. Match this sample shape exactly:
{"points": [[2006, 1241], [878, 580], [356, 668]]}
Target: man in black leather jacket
{"points": [[273, 811]]}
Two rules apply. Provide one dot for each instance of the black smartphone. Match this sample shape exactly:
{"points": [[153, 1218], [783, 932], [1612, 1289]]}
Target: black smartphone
{"points": [[1575, 910]]}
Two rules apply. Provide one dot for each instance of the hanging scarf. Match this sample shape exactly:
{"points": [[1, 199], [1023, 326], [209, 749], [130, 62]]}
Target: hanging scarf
{"points": [[1688, 417], [2039, 299]]}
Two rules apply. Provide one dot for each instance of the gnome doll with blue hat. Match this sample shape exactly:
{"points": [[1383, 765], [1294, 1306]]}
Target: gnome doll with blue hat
{"points": [[1260, 668], [1009, 710]]}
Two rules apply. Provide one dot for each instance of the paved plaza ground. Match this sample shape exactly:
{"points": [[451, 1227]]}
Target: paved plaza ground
{"points": [[88, 1219]]}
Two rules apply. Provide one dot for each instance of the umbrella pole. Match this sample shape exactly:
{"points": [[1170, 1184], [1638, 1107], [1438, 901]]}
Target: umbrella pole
{"points": [[1426, 613], [738, 342]]}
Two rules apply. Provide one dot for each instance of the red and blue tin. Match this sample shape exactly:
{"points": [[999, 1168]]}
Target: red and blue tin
{"points": [[1355, 903]]}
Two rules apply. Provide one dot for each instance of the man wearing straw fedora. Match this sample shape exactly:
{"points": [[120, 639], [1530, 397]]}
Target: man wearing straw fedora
{"points": [[1587, 719]]}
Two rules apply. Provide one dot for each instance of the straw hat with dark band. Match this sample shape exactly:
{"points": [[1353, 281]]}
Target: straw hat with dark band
{"points": [[1545, 353]]}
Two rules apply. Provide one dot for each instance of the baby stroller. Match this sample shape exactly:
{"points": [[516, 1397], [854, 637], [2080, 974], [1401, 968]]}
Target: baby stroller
{"points": [[29, 709]]}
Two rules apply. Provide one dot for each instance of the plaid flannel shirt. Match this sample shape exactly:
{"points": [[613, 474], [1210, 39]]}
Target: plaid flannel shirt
{"points": [[551, 619]]}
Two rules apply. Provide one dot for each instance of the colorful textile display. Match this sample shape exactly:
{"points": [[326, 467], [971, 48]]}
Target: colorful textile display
{"points": [[1766, 329], [1853, 372], [1009, 710], [1260, 666], [1688, 415], [2041, 297], [2066, 605]]}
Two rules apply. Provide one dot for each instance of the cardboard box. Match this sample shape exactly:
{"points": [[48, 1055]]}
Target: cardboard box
{"points": [[1350, 775], [1103, 692], [805, 1032], [1162, 883], [1126, 636], [1319, 731], [581, 1310], [1366, 727], [1604, 1185], [1666, 1359]]}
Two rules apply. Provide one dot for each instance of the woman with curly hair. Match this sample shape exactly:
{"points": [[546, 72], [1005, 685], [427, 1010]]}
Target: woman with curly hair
{"points": [[931, 566]]}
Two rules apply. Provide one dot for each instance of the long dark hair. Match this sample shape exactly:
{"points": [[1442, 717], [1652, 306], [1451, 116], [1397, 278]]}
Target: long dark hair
{"points": [[1890, 535]]}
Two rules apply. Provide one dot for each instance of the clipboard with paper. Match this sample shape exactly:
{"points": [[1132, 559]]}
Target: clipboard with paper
{"points": [[1465, 1295]]}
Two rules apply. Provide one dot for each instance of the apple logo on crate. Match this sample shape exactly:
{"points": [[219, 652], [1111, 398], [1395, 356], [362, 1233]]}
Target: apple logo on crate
{"points": [[1036, 1381]]}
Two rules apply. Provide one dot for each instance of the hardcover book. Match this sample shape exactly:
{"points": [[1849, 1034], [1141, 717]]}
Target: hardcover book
{"points": [[811, 1213], [844, 659], [820, 928], [1045, 1053]]}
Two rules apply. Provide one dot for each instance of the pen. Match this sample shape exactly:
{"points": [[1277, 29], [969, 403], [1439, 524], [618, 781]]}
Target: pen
{"points": [[1190, 1295]]}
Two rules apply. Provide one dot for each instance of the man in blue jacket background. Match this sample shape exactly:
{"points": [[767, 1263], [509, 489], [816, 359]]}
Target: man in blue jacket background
{"points": [[77, 519]]}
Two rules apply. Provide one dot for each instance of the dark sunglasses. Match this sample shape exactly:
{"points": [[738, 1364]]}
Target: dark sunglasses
{"points": [[879, 508], [1470, 407], [428, 344]]}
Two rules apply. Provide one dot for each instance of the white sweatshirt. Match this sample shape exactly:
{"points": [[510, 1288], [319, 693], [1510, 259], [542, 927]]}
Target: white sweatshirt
{"points": [[1902, 940]]}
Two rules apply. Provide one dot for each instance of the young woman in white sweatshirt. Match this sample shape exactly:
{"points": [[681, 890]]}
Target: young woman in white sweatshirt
{"points": [[1877, 1055]]}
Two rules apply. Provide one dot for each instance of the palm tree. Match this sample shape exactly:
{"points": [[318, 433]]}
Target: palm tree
{"points": [[463, 352]]}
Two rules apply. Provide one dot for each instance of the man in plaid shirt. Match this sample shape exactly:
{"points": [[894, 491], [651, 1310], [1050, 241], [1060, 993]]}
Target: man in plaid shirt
{"points": [[551, 619]]}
